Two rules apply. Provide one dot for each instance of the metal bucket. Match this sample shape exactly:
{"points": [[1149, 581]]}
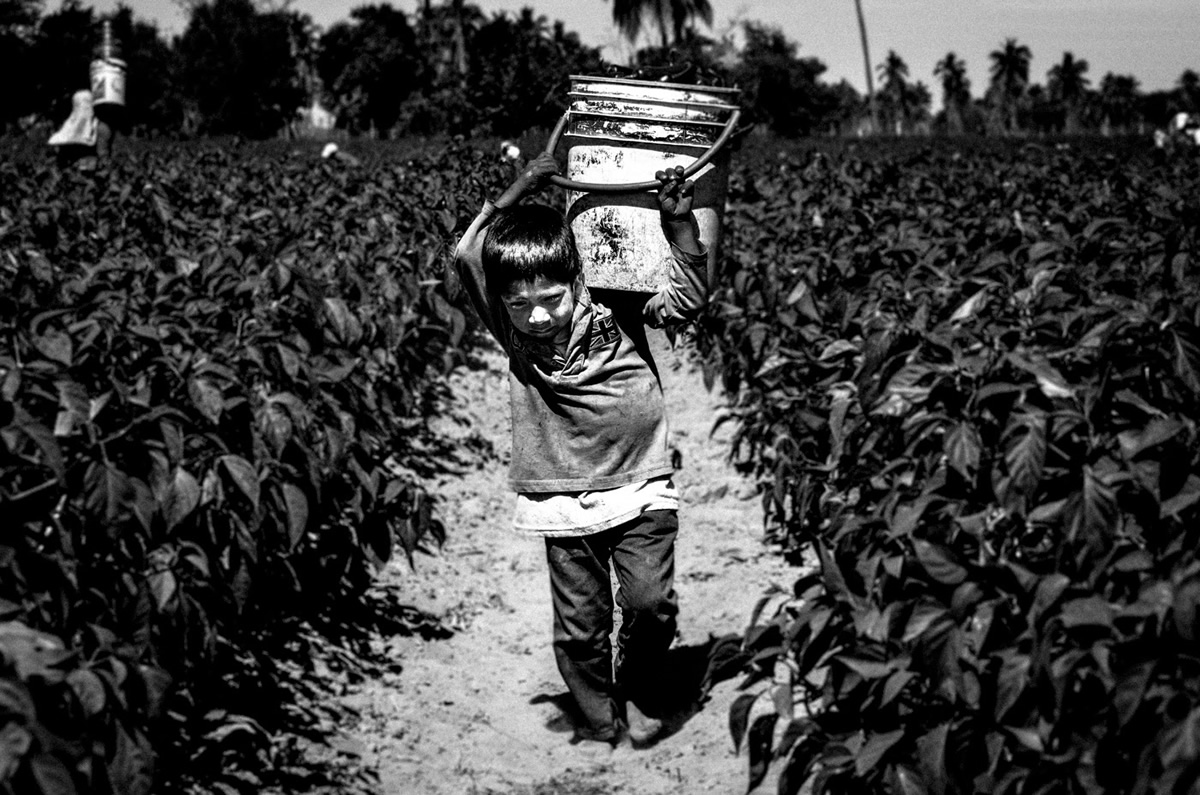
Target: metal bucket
{"points": [[620, 133], [108, 81]]}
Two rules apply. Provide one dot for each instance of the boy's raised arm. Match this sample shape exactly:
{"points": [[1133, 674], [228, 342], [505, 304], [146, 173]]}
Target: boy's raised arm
{"points": [[468, 255], [686, 291]]}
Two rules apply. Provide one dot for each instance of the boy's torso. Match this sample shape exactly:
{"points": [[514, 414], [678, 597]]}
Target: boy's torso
{"points": [[591, 418]]}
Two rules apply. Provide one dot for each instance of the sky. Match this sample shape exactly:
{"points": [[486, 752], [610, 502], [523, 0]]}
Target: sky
{"points": [[1153, 40]]}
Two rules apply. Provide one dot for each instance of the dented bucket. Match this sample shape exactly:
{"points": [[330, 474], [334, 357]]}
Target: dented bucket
{"points": [[619, 133]]}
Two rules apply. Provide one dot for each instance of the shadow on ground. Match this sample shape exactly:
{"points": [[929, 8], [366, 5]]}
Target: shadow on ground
{"points": [[694, 670]]}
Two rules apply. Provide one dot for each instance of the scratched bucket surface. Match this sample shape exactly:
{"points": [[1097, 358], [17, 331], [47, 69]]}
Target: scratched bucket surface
{"points": [[622, 131]]}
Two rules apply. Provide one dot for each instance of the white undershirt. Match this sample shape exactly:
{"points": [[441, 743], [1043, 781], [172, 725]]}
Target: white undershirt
{"points": [[581, 513]]}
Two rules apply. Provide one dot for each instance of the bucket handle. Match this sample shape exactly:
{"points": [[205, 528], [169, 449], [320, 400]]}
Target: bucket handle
{"points": [[636, 187]]}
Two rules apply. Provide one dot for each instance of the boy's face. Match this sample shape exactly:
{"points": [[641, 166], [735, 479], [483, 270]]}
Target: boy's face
{"points": [[541, 308]]}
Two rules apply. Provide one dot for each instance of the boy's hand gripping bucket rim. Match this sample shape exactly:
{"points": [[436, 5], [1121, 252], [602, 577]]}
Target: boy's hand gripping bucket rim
{"points": [[637, 187]]}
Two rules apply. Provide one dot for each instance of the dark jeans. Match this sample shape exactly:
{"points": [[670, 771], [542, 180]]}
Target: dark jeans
{"points": [[642, 553]]}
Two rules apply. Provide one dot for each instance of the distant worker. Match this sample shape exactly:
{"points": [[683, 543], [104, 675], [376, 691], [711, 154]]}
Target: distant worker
{"points": [[1184, 131], [331, 151], [86, 137], [75, 141], [509, 151]]}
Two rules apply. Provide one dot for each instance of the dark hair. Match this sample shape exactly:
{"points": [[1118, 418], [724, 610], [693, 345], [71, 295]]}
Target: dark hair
{"points": [[526, 241]]}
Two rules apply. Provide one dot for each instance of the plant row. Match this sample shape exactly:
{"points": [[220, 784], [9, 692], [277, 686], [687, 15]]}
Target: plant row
{"points": [[970, 386], [215, 377]]}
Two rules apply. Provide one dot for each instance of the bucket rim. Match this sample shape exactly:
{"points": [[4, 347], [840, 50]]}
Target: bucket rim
{"points": [[626, 81], [655, 120], [712, 107]]}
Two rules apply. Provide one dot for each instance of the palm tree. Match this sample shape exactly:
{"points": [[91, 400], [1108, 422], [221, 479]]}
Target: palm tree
{"points": [[1010, 77], [956, 89], [1119, 101], [893, 76], [672, 17], [862, 34], [1067, 86]]}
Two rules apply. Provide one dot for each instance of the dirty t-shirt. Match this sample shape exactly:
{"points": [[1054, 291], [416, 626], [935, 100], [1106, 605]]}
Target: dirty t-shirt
{"points": [[592, 419]]}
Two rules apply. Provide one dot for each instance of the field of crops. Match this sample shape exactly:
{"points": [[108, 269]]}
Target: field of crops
{"points": [[966, 376], [969, 384], [216, 371]]}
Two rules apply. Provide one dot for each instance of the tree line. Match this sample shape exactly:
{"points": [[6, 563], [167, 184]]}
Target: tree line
{"points": [[248, 68]]}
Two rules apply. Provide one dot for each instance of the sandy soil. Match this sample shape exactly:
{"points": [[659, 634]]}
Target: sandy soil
{"points": [[478, 713]]}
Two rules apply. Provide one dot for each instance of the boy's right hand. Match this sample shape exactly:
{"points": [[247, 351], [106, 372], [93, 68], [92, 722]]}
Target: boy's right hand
{"points": [[533, 177]]}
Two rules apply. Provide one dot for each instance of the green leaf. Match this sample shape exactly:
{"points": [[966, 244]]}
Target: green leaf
{"points": [[921, 617], [1184, 608], [15, 740], [55, 345], [51, 775], [346, 326], [739, 718], [874, 749], [835, 581], [1098, 505], [1154, 433], [1186, 345], [964, 448], [1179, 744], [89, 689], [895, 685], [1030, 738], [1011, 683], [1091, 611], [907, 516], [208, 398], [296, 504], [1186, 498], [906, 781], [939, 563], [162, 586], [43, 438], [243, 475], [183, 498], [759, 742], [1130, 690], [1049, 590], [1025, 452], [1049, 380], [132, 766]]}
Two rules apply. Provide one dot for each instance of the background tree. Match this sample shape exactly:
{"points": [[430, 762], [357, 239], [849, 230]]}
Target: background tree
{"points": [[1119, 103], [369, 66], [917, 105], [153, 101], [238, 70], [956, 91], [445, 37], [60, 58], [779, 89], [671, 17], [1068, 87], [1010, 78], [18, 29], [520, 70], [893, 91]]}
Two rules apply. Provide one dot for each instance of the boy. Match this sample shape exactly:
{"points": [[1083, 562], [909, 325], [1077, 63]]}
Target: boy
{"points": [[590, 463]]}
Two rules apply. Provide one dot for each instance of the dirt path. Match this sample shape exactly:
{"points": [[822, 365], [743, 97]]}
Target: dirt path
{"points": [[475, 714]]}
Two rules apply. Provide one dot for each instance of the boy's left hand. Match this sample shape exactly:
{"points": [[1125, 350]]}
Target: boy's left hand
{"points": [[674, 194]]}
